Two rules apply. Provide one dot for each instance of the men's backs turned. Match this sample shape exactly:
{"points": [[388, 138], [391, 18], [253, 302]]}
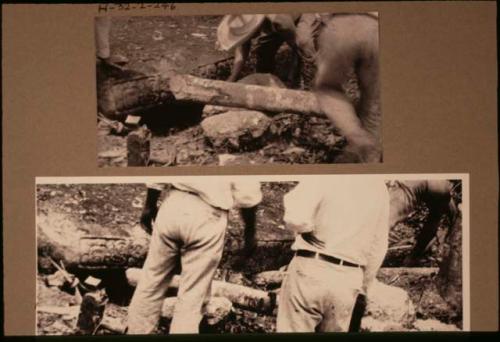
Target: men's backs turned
{"points": [[345, 213], [225, 194]]}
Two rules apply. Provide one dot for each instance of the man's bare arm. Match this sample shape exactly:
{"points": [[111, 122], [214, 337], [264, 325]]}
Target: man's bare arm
{"points": [[240, 58]]}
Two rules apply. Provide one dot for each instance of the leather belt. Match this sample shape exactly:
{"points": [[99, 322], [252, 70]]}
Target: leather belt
{"points": [[310, 254]]}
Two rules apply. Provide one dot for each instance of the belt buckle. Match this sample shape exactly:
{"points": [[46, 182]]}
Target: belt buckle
{"points": [[316, 255], [341, 262]]}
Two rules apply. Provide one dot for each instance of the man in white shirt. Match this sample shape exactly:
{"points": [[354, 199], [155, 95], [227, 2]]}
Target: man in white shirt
{"points": [[342, 237], [190, 223]]}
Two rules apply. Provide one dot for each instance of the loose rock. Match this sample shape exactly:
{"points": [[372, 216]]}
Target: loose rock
{"points": [[236, 130], [389, 309], [434, 325], [231, 159]]}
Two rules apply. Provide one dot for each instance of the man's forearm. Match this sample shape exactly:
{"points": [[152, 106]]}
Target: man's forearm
{"points": [[240, 58], [236, 71]]}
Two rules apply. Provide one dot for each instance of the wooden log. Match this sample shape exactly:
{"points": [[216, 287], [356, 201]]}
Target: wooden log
{"points": [[142, 93], [387, 272], [385, 302], [215, 309], [259, 300], [117, 100], [148, 91], [241, 296], [255, 97], [274, 278]]}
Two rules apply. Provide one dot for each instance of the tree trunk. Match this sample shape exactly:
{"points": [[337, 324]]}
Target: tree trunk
{"points": [[274, 278], [385, 302], [255, 97], [134, 95], [141, 93], [241, 296], [215, 310]]}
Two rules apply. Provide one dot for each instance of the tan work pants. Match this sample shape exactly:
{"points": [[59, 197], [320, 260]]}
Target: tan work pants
{"points": [[317, 296], [189, 227]]}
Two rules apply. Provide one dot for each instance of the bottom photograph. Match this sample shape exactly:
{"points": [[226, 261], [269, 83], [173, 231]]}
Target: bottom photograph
{"points": [[252, 254]]}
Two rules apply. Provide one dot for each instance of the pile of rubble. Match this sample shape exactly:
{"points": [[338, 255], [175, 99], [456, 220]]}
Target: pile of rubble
{"points": [[86, 309], [256, 112]]}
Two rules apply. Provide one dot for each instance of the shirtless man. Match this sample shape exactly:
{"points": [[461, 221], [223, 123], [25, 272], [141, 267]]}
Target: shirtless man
{"points": [[436, 195], [236, 32], [339, 44]]}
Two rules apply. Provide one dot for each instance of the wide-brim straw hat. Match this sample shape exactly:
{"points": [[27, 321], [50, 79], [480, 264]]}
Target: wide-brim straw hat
{"points": [[234, 30]]}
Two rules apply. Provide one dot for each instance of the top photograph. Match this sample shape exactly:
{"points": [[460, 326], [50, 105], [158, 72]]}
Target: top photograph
{"points": [[238, 89]]}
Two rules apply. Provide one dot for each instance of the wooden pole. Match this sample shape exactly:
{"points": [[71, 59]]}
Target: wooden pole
{"points": [[142, 93], [274, 278], [255, 97], [241, 296]]}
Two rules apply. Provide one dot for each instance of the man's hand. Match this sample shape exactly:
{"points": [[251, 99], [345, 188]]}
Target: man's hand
{"points": [[150, 210], [240, 57]]}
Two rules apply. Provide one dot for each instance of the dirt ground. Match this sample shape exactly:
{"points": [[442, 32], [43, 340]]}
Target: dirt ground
{"points": [[114, 209], [182, 43]]}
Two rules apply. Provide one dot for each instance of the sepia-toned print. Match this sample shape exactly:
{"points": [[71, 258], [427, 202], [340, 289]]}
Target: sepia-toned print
{"points": [[247, 88], [246, 254]]}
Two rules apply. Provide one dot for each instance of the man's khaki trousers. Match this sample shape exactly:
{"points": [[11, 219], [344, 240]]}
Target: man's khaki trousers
{"points": [[102, 28], [317, 296], [189, 227]]}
